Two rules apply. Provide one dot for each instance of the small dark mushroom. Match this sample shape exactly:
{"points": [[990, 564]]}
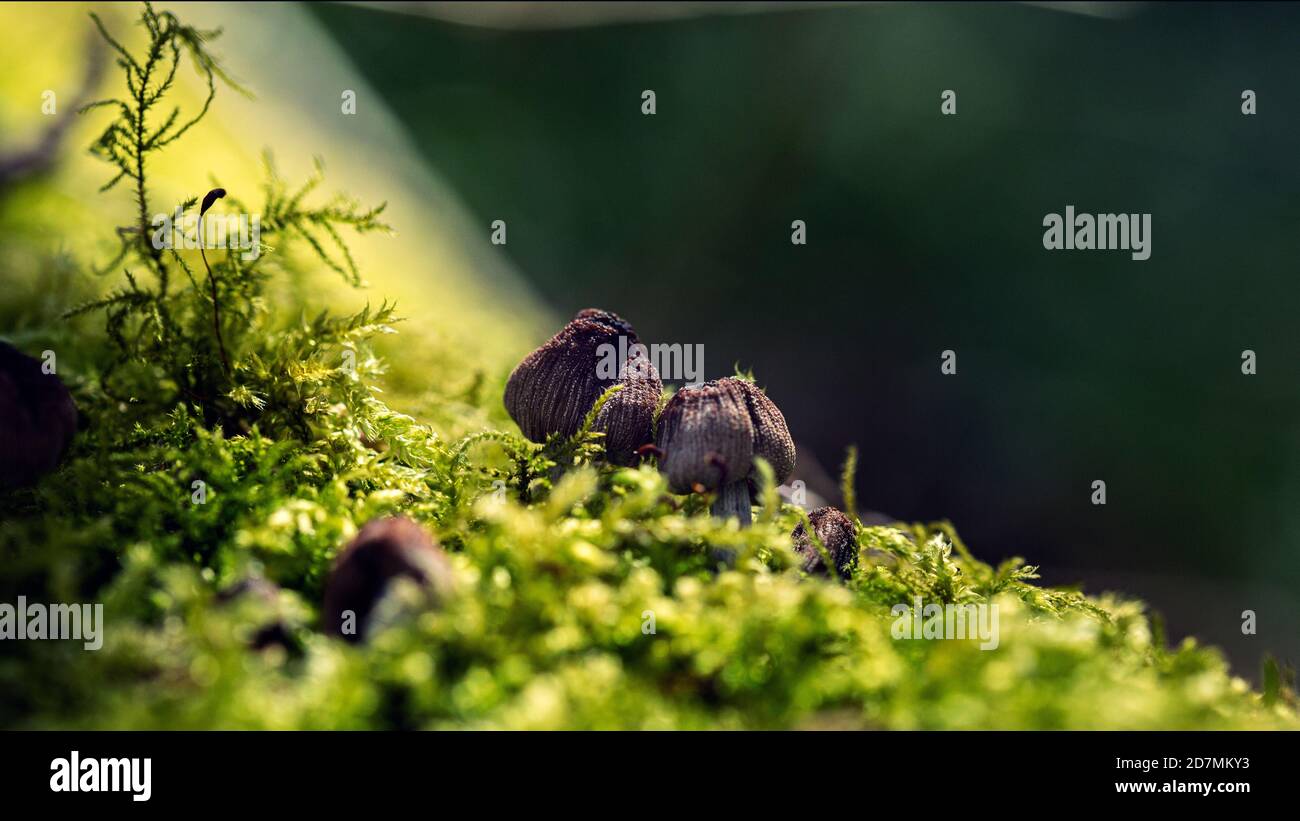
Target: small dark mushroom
{"points": [[384, 550], [837, 534], [709, 436], [37, 419], [274, 633], [554, 388]]}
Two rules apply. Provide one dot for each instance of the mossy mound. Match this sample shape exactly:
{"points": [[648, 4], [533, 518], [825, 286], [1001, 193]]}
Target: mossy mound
{"points": [[556, 599]]}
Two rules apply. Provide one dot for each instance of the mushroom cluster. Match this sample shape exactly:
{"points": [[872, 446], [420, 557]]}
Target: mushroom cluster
{"points": [[554, 388], [709, 436], [37, 419]]}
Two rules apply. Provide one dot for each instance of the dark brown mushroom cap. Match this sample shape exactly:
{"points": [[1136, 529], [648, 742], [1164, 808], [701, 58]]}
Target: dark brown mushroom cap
{"points": [[706, 437], [628, 418], [701, 429], [772, 440], [610, 320], [837, 534], [554, 388], [37, 419], [384, 550]]}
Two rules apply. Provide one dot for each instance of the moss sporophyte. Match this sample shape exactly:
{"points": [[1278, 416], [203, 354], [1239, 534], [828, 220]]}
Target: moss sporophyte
{"points": [[353, 566]]}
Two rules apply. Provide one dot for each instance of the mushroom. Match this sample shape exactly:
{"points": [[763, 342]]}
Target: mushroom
{"points": [[384, 550], [37, 419], [837, 534], [709, 436], [554, 388], [270, 633]]}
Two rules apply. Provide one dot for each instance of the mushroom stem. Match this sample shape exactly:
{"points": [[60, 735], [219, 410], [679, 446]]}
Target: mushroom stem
{"points": [[733, 500]]}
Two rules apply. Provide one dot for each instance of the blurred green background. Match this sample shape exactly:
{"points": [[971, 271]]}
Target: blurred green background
{"points": [[924, 234]]}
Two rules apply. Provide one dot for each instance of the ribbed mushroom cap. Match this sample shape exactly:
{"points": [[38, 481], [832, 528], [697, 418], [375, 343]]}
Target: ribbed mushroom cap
{"points": [[552, 390], [700, 431], [610, 320], [628, 418], [37, 419], [837, 534], [384, 550], [772, 440], [706, 437]]}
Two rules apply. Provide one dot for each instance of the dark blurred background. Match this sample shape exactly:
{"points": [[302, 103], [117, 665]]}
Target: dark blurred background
{"points": [[925, 234]]}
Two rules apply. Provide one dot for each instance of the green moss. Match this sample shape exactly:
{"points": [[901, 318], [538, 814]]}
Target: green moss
{"points": [[597, 600]]}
